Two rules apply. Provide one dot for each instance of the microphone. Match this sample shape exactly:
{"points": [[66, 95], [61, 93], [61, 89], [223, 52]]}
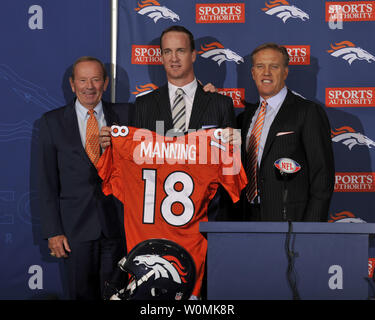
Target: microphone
{"points": [[287, 168]]}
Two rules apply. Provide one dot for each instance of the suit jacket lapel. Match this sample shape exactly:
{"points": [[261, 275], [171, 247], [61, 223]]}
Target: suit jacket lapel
{"points": [[201, 100], [164, 107], [277, 124], [72, 131]]}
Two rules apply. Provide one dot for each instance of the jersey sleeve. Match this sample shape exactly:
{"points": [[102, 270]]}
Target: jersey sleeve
{"points": [[232, 175], [110, 173]]}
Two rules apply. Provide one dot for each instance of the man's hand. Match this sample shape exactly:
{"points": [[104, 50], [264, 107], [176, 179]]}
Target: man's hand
{"points": [[209, 87], [105, 137], [232, 136], [59, 246]]}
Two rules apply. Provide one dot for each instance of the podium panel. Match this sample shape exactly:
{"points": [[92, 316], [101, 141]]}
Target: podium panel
{"points": [[248, 260]]}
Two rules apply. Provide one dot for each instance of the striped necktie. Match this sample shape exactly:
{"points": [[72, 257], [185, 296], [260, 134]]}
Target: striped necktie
{"points": [[252, 154], [178, 111], [92, 138]]}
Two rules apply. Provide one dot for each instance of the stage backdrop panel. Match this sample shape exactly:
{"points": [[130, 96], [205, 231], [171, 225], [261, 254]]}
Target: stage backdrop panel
{"points": [[40, 41], [332, 55], [332, 63]]}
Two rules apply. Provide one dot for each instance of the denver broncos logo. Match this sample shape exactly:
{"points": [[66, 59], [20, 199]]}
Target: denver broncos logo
{"points": [[347, 136], [162, 267], [345, 216], [155, 11], [218, 53], [144, 89], [349, 52], [283, 10]]}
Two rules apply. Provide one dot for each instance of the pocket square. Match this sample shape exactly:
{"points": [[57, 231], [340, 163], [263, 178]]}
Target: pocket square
{"points": [[210, 126], [284, 133]]}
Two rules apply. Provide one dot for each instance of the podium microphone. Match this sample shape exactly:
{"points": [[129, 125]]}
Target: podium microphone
{"points": [[287, 168]]}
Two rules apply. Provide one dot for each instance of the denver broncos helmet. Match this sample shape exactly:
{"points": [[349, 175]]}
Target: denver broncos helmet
{"points": [[158, 269]]}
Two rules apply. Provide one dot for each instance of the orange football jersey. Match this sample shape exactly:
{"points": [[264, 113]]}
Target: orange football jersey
{"points": [[167, 183]]}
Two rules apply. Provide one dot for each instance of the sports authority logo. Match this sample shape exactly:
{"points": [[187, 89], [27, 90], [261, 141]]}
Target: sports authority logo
{"points": [[371, 265], [349, 52], [153, 10], [298, 54], [220, 13], [283, 10], [150, 55], [218, 53], [237, 95], [350, 11], [144, 89], [345, 216], [354, 182], [162, 267], [349, 137], [350, 97]]}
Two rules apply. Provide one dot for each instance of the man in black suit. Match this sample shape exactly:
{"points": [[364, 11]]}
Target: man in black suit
{"points": [[292, 128], [81, 224], [202, 109]]}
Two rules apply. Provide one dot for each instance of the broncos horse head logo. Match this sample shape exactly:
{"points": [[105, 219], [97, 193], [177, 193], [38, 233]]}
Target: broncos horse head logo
{"points": [[163, 267], [155, 11], [218, 53], [283, 10], [349, 52], [144, 89], [345, 216], [350, 138]]}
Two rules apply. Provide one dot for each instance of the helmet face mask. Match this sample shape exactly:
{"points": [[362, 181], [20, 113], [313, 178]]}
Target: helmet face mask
{"points": [[158, 269]]}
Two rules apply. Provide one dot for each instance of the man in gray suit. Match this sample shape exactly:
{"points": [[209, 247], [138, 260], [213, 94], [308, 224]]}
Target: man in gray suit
{"points": [[287, 126]]}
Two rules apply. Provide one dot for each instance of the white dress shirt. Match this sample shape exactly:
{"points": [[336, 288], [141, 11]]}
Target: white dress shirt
{"points": [[189, 95], [273, 106]]}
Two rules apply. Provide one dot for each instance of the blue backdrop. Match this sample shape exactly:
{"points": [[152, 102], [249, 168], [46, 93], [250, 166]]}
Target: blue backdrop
{"points": [[41, 39], [332, 64]]}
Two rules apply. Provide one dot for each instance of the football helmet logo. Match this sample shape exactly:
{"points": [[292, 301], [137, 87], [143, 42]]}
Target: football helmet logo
{"points": [[158, 269], [218, 53], [349, 137], [349, 52], [283, 10], [155, 11]]}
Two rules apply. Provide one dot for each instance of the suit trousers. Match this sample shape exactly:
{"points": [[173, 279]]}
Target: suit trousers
{"points": [[90, 264]]}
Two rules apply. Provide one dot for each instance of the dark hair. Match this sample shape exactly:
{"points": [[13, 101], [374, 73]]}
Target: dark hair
{"points": [[88, 58], [273, 46], [179, 29]]}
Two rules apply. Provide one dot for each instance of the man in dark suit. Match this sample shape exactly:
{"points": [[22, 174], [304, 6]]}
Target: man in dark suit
{"points": [[81, 224], [202, 109], [284, 125]]}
